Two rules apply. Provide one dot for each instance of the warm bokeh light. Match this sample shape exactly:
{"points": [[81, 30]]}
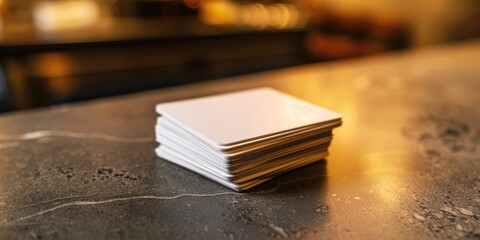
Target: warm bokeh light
{"points": [[65, 15], [1, 21], [279, 15], [218, 12], [52, 64], [254, 15]]}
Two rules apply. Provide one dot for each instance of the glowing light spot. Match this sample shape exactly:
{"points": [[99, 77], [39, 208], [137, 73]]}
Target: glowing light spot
{"points": [[65, 15]]}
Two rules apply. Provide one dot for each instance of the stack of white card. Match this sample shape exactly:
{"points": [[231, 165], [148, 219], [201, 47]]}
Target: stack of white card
{"points": [[244, 138]]}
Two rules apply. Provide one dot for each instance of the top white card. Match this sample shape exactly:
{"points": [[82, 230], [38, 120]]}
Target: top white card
{"points": [[231, 118]]}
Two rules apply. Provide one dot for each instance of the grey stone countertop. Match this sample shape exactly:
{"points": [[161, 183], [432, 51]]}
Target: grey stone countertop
{"points": [[404, 165]]}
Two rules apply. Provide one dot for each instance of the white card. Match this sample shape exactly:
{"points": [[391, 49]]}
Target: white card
{"points": [[165, 125], [232, 118]]}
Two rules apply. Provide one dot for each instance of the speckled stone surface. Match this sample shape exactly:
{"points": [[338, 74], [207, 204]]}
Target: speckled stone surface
{"points": [[404, 165]]}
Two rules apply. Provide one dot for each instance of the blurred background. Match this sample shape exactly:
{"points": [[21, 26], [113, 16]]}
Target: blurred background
{"points": [[57, 51]]}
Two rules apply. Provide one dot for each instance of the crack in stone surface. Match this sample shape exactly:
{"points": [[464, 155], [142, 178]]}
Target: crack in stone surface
{"points": [[89, 203], [56, 133], [47, 201]]}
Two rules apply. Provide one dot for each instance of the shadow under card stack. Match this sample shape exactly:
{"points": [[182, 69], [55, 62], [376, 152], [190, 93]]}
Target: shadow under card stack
{"points": [[244, 138]]}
